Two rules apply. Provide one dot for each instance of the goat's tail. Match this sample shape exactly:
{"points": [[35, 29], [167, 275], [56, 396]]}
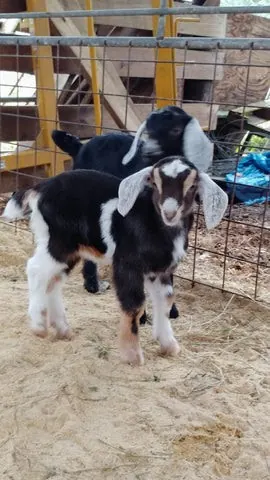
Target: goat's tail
{"points": [[20, 205], [66, 142]]}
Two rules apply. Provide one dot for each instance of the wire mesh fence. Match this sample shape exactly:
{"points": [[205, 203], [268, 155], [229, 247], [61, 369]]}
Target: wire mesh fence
{"points": [[222, 82]]}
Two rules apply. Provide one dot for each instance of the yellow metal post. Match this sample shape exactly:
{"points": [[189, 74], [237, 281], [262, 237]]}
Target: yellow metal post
{"points": [[94, 74], [166, 88], [45, 85]]}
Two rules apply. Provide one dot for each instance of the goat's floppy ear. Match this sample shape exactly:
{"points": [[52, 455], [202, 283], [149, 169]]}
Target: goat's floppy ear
{"points": [[133, 149], [214, 201], [197, 147], [130, 188]]}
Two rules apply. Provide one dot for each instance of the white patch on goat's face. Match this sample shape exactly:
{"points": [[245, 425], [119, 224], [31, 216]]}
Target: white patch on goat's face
{"points": [[12, 211], [170, 205], [169, 211], [151, 147], [173, 168], [107, 211]]}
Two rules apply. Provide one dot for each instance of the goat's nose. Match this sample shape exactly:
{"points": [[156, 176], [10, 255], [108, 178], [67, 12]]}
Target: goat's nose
{"points": [[170, 214]]}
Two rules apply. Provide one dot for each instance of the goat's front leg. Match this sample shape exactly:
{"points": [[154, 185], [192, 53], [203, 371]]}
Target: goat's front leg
{"points": [[130, 293], [160, 290]]}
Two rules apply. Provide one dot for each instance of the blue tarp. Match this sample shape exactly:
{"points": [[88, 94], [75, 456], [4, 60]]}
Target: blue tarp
{"points": [[253, 171]]}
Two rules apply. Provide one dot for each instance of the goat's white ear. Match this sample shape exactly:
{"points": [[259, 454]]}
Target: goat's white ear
{"points": [[130, 188], [214, 201], [130, 154], [197, 147]]}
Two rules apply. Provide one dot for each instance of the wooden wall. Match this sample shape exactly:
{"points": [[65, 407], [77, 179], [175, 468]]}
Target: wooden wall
{"points": [[241, 84]]}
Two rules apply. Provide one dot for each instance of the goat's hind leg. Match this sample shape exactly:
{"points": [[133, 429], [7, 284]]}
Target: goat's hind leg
{"points": [[161, 293], [91, 281], [41, 270], [56, 309]]}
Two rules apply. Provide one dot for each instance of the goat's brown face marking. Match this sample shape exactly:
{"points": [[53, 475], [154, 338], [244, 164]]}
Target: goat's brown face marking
{"points": [[174, 187]]}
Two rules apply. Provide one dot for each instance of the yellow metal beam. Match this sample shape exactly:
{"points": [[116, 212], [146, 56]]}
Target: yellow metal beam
{"points": [[94, 72], [31, 158], [165, 79], [45, 85]]}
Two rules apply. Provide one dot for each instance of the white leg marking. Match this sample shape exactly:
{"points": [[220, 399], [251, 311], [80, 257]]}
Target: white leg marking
{"points": [[161, 296], [56, 309], [41, 269]]}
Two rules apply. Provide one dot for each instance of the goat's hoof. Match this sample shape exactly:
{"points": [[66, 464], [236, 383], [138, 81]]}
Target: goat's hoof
{"points": [[39, 332], [132, 356], [91, 287], [172, 349], [174, 313], [64, 334], [103, 286]]}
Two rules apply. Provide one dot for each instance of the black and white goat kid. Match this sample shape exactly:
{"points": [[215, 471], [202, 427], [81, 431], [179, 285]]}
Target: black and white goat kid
{"points": [[139, 225], [169, 131]]}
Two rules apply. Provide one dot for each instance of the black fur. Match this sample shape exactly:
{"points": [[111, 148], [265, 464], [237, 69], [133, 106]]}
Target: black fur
{"points": [[105, 153], [70, 204]]}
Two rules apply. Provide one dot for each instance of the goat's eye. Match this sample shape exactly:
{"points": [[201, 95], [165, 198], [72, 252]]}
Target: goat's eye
{"points": [[192, 188], [154, 184]]}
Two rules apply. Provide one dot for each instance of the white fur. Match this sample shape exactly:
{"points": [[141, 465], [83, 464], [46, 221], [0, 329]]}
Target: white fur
{"points": [[56, 309], [170, 205], [151, 147], [105, 222], [130, 154], [41, 270], [197, 147], [130, 188], [162, 330], [178, 250], [214, 200], [107, 211], [173, 168], [12, 211]]}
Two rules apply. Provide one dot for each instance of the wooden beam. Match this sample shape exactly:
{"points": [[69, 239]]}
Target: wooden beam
{"points": [[10, 181], [6, 6], [165, 80], [139, 62], [31, 158], [45, 85], [114, 92], [210, 25], [80, 121], [64, 60]]}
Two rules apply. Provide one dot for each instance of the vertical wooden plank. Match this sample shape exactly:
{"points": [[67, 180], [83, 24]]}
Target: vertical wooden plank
{"points": [[165, 81], [94, 71], [46, 93]]}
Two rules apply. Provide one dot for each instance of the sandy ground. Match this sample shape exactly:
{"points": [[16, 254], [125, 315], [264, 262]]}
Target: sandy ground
{"points": [[70, 410]]}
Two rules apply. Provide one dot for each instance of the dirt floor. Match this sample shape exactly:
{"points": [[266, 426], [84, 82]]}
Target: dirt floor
{"points": [[70, 410]]}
